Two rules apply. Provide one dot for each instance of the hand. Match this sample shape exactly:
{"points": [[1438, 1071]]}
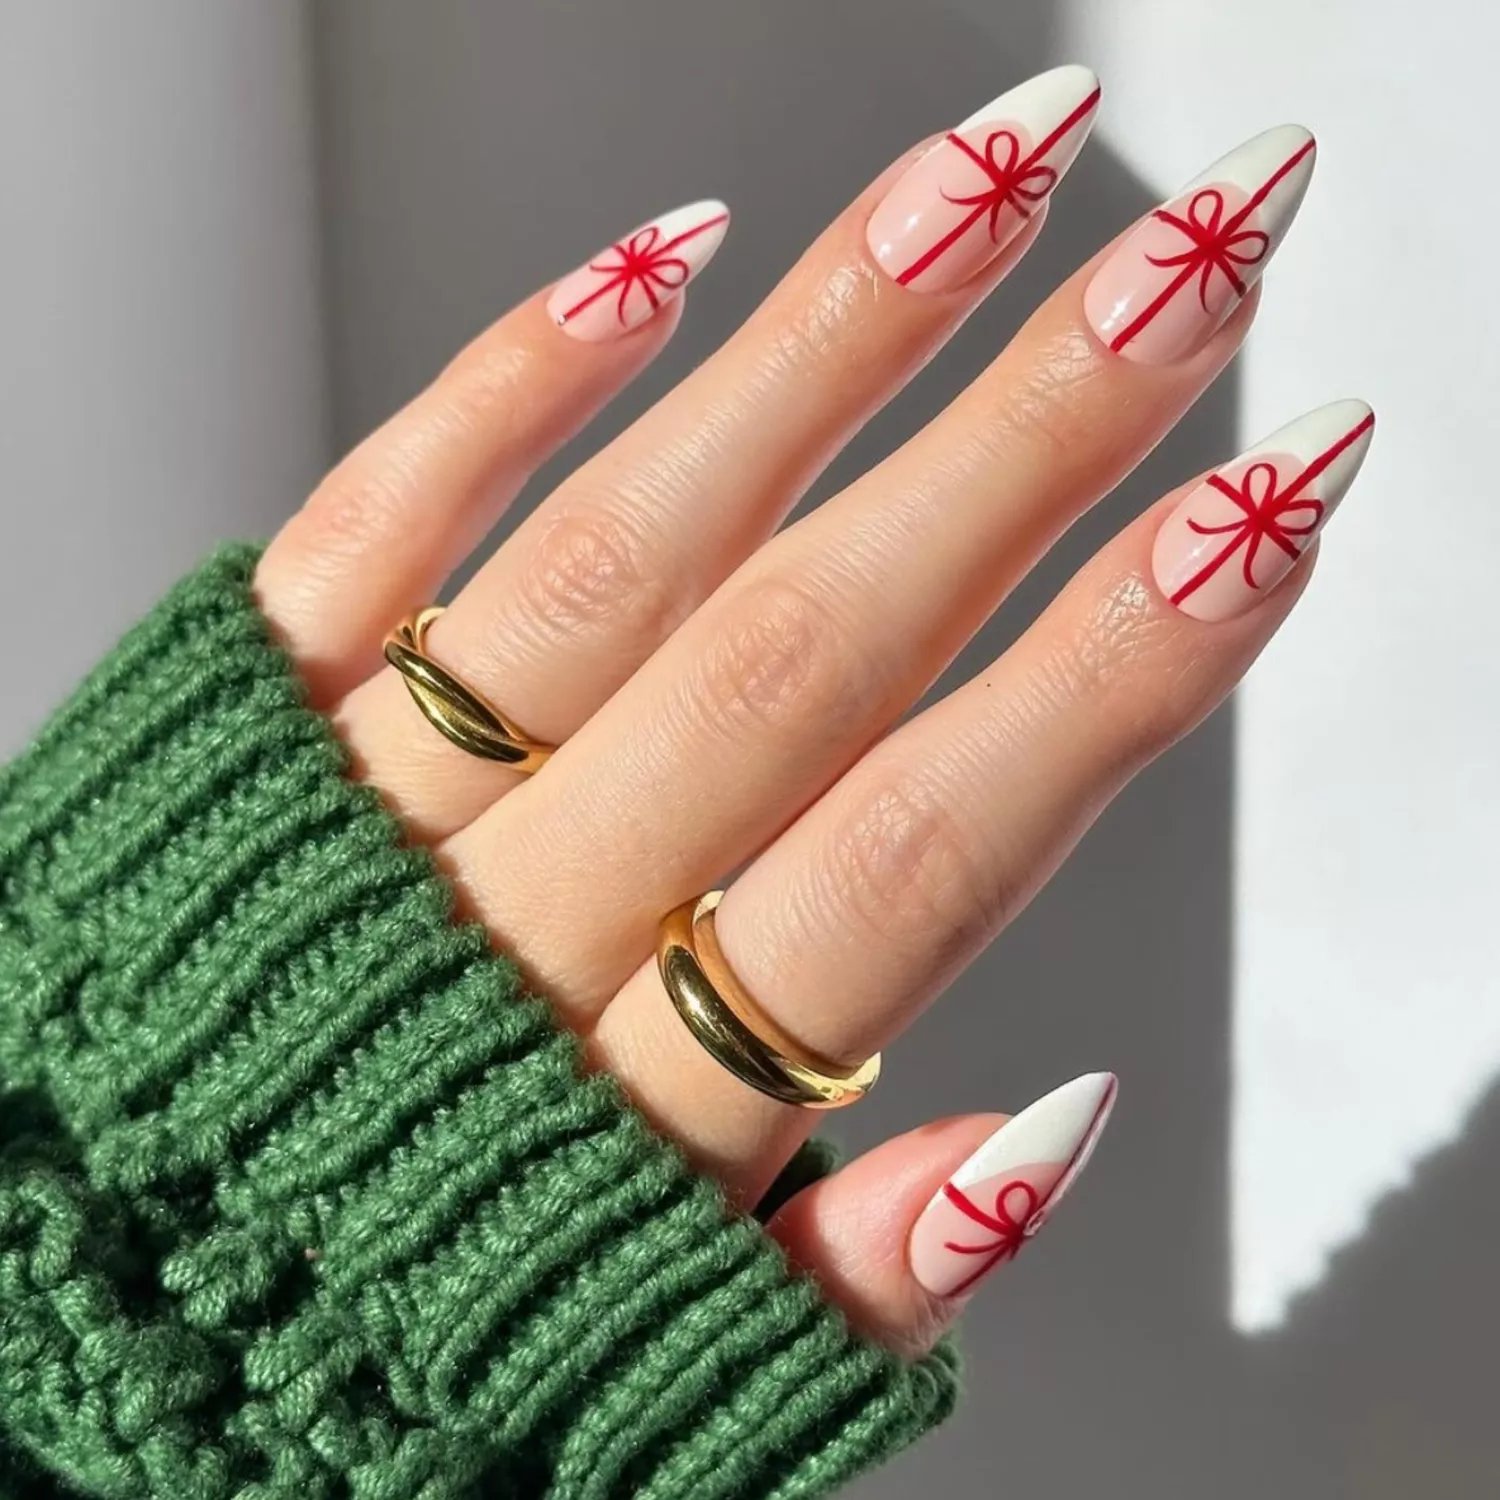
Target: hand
{"points": [[725, 693]]}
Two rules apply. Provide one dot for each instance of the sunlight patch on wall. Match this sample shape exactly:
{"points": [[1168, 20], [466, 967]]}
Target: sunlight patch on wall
{"points": [[1367, 819]]}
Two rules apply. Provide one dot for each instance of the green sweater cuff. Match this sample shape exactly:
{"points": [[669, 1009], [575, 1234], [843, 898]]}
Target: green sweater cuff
{"points": [[301, 1195]]}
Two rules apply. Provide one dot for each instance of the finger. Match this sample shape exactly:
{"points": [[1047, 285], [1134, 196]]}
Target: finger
{"points": [[885, 889], [386, 527], [611, 564], [901, 1237], [817, 645]]}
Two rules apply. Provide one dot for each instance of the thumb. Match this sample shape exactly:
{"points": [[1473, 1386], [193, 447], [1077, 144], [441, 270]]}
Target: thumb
{"points": [[901, 1236]]}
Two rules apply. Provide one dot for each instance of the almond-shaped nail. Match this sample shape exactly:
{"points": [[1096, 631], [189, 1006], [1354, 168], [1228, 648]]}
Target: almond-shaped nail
{"points": [[955, 208], [1005, 1191], [1236, 535], [1172, 282], [626, 283]]}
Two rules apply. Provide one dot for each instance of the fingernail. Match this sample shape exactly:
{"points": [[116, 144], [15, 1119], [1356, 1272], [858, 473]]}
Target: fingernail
{"points": [[1004, 1193], [1168, 286], [627, 282], [1239, 533], [958, 205]]}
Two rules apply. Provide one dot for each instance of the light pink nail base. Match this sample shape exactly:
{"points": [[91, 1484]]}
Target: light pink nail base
{"points": [[626, 283], [1236, 535], [954, 209], [1184, 269], [1003, 1194]]}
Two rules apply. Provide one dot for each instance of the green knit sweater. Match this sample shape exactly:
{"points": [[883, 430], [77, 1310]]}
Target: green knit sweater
{"points": [[301, 1196]]}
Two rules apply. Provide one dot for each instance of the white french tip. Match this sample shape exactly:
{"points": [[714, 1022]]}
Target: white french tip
{"points": [[1062, 1126], [1043, 102], [627, 281], [1346, 426], [706, 211], [1285, 154], [1007, 1189]]}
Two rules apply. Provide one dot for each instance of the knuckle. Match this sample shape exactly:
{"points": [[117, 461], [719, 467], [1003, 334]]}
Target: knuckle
{"points": [[359, 504], [782, 651], [592, 570], [370, 497], [487, 379], [816, 339], [905, 869], [1047, 407], [1116, 669]]}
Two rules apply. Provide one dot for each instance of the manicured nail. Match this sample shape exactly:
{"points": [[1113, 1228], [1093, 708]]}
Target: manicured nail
{"points": [[1168, 286], [1239, 533], [625, 284], [953, 210], [1004, 1193]]}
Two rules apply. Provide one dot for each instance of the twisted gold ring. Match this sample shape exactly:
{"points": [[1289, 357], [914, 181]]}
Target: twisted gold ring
{"points": [[457, 711], [737, 1033]]}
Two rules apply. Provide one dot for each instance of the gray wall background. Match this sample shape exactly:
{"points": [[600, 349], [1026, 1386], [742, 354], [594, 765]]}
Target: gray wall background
{"points": [[237, 235]]}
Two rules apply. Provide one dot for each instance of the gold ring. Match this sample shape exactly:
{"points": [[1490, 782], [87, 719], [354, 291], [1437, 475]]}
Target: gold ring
{"points": [[720, 1013], [457, 711]]}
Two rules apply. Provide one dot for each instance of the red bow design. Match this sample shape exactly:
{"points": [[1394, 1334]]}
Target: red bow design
{"points": [[1263, 518], [1010, 1226], [1264, 511], [1214, 243], [1019, 184], [645, 261]]}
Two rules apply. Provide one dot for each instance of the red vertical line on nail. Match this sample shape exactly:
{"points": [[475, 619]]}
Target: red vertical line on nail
{"points": [[1260, 519], [1009, 1229], [1012, 1232], [1101, 1111], [1003, 184], [638, 266], [690, 233], [599, 291], [1207, 250]]}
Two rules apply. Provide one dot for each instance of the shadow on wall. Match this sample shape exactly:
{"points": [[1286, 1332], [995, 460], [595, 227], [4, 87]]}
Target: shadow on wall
{"points": [[472, 152]]}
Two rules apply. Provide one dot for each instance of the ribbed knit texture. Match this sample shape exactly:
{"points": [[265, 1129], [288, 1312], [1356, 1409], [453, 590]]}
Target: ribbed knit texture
{"points": [[301, 1196]]}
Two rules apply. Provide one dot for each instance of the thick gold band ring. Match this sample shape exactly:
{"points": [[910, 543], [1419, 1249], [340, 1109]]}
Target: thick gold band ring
{"points": [[737, 1033], [453, 709]]}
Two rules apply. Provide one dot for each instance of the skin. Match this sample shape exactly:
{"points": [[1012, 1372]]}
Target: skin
{"points": [[650, 619]]}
